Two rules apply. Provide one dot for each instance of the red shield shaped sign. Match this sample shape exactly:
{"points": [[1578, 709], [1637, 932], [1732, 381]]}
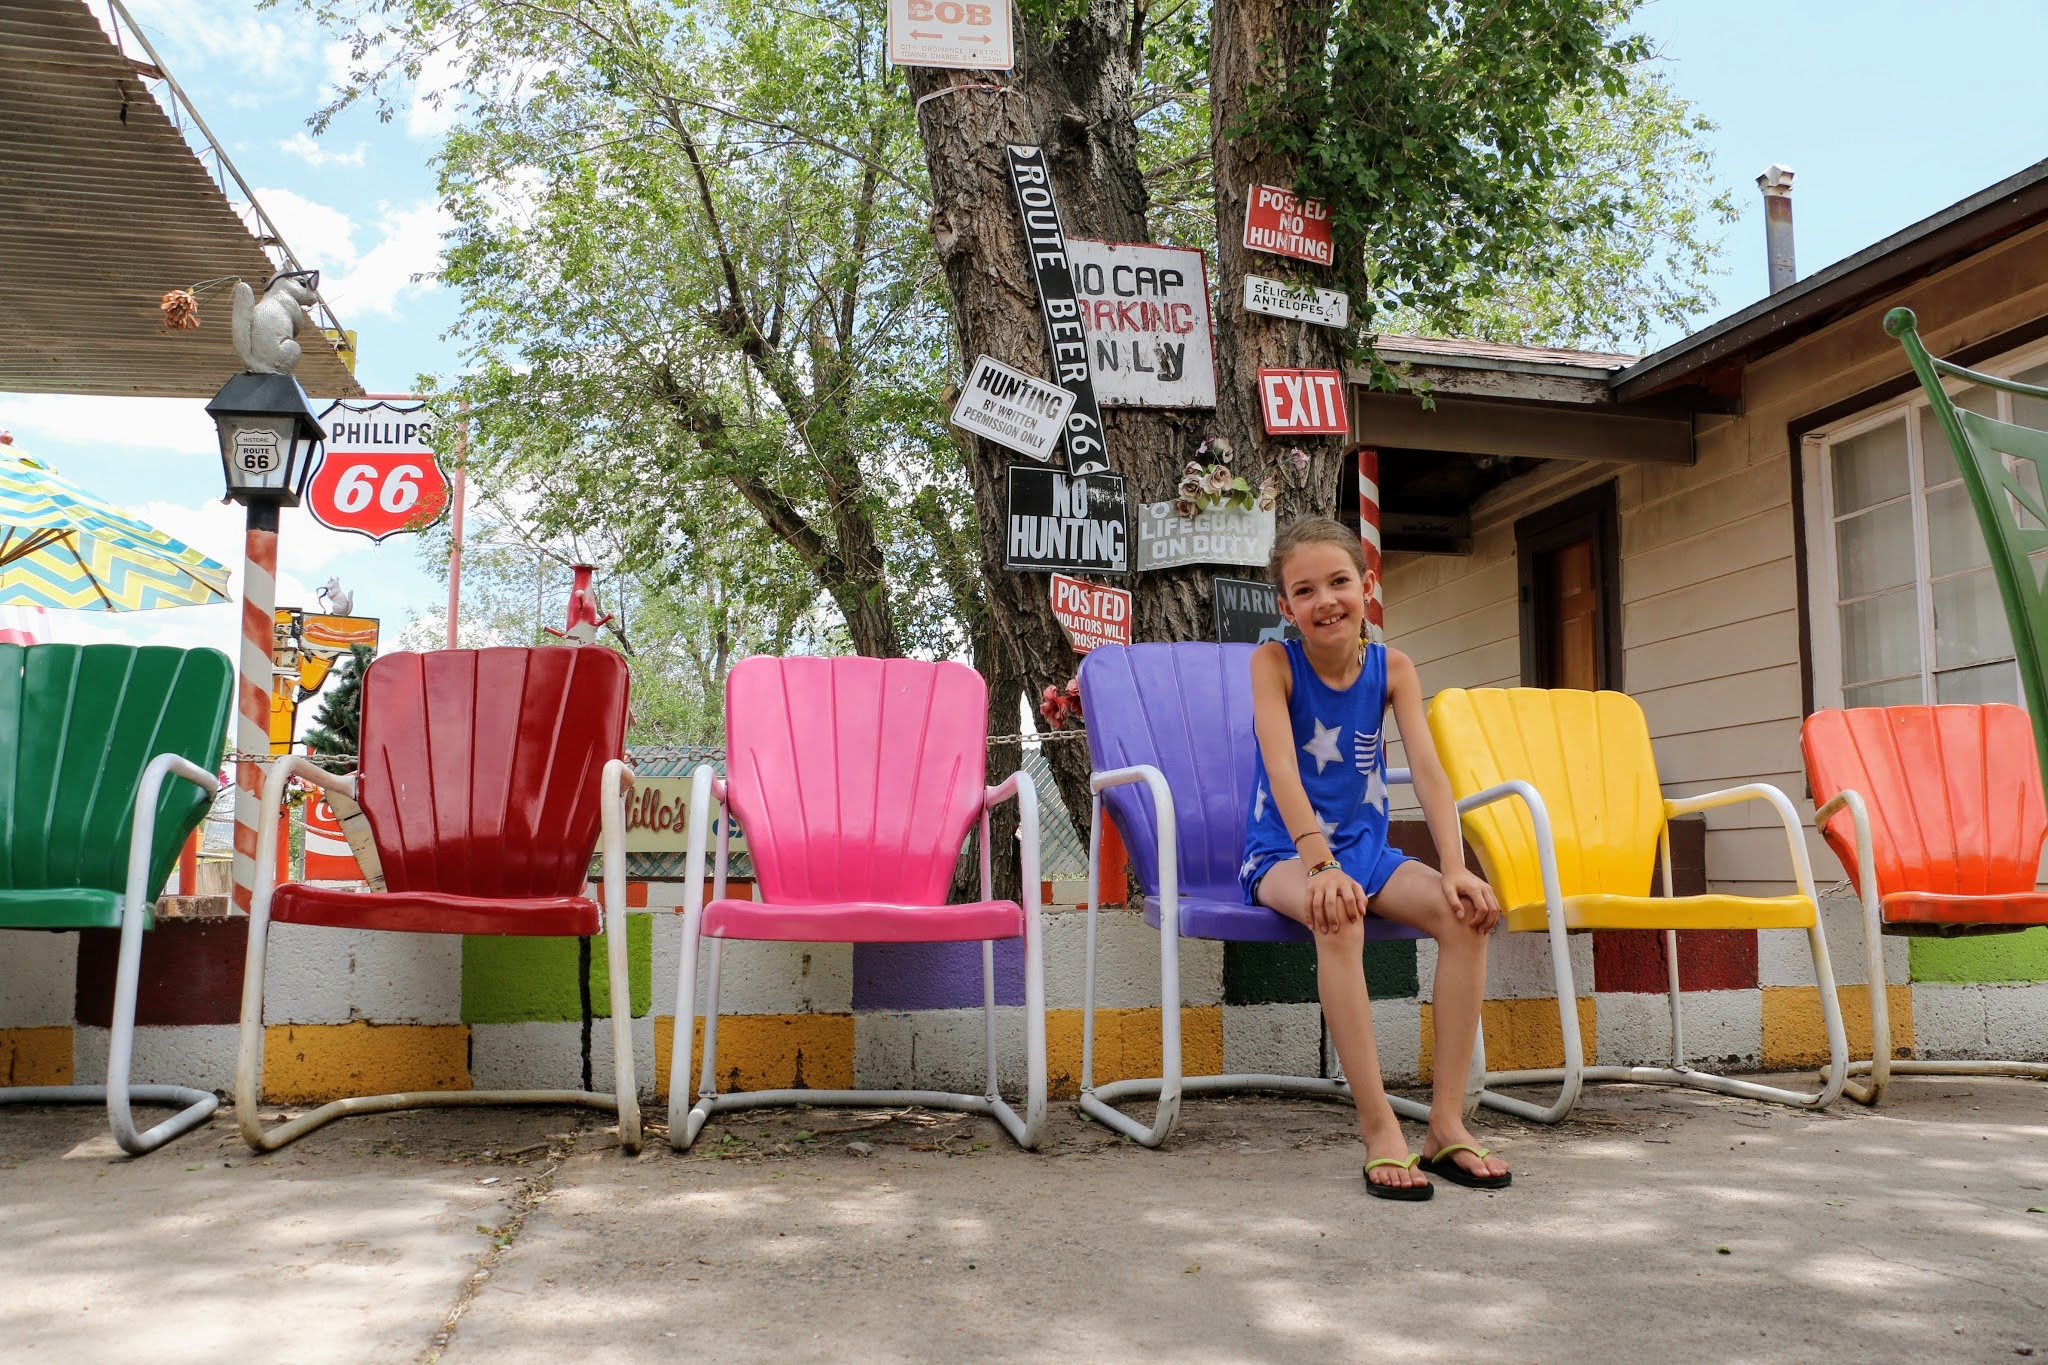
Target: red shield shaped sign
{"points": [[379, 476]]}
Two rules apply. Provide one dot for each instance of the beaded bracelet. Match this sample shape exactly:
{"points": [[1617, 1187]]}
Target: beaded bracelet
{"points": [[1327, 865]]}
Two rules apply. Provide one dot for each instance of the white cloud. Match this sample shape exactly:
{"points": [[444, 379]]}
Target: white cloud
{"points": [[196, 33], [367, 283], [322, 237], [409, 245], [314, 153]]}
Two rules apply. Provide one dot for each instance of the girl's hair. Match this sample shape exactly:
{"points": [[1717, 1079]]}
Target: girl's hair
{"points": [[1313, 531]]}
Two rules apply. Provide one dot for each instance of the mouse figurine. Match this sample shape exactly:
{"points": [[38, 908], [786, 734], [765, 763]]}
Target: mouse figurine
{"points": [[264, 328]]}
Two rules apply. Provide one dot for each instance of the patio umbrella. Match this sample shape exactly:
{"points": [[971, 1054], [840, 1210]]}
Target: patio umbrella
{"points": [[61, 547]]}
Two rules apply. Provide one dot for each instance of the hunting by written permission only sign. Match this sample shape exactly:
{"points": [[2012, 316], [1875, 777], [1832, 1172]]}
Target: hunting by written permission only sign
{"points": [[1278, 224], [1090, 614], [1279, 299], [961, 35], [1067, 521], [1013, 409], [1147, 313]]}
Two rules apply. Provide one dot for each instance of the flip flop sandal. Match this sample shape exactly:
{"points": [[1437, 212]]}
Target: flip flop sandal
{"points": [[1410, 1193], [1445, 1169]]}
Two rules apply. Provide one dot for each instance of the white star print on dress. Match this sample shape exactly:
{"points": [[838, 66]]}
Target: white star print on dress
{"points": [[1323, 748], [1259, 806], [1329, 827]]}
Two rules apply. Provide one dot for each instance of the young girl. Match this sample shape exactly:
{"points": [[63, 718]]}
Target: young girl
{"points": [[1316, 847]]}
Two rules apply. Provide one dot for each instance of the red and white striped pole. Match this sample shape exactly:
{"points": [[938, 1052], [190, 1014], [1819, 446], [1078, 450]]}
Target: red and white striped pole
{"points": [[252, 690], [1369, 538]]}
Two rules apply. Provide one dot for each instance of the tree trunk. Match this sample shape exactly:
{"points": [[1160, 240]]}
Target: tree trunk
{"points": [[1292, 37], [1070, 94]]}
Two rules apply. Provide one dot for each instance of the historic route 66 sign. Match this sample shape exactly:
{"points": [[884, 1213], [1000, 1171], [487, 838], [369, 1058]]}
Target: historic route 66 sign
{"points": [[256, 451], [379, 476]]}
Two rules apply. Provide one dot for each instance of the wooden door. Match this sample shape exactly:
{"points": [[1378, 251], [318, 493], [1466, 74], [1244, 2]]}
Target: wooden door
{"points": [[1572, 584]]}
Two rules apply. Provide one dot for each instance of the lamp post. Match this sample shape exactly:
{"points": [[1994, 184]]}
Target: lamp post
{"points": [[268, 442]]}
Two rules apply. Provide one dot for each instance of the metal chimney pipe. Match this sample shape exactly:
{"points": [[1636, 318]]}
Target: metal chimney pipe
{"points": [[1776, 183]]}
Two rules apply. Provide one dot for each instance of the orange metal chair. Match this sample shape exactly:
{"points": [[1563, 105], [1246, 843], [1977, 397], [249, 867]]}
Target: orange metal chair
{"points": [[1936, 814]]}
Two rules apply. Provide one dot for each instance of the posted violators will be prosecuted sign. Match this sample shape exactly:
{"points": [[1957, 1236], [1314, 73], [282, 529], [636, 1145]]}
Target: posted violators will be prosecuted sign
{"points": [[1091, 615], [1013, 409]]}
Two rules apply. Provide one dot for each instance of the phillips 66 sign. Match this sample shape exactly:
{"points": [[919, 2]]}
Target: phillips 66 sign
{"points": [[379, 476]]}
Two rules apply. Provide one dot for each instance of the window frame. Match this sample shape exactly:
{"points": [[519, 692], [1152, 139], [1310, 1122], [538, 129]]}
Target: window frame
{"points": [[1823, 577]]}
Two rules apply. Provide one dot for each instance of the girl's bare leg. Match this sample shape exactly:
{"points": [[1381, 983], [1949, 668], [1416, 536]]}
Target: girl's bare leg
{"points": [[1340, 982], [1414, 896]]}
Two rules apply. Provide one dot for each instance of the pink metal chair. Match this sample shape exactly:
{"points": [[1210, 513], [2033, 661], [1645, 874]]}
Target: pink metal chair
{"points": [[856, 781]]}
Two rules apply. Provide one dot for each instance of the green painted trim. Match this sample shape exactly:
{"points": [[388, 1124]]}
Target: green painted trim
{"points": [[1285, 973], [1990, 957], [516, 980]]}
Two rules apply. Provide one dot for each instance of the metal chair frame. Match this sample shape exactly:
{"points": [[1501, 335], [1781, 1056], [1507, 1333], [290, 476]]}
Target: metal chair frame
{"points": [[614, 784], [1575, 1073], [1881, 1066], [1099, 1101], [194, 1106], [686, 1120]]}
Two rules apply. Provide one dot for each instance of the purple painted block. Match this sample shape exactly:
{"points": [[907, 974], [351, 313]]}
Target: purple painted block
{"points": [[933, 976]]}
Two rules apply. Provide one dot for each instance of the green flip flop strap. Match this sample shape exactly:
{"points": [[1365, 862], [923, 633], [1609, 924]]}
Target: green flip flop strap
{"points": [[1407, 1165], [1481, 1152]]}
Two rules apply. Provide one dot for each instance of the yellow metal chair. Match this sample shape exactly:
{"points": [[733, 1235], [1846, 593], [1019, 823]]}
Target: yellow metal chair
{"points": [[1559, 794]]}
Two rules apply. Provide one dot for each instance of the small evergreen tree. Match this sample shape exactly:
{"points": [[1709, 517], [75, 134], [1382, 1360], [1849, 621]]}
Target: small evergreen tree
{"points": [[337, 727]]}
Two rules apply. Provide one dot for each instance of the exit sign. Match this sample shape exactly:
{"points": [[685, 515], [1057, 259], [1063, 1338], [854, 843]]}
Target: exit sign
{"points": [[1303, 402]]}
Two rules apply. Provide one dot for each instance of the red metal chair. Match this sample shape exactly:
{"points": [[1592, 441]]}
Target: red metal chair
{"points": [[486, 776], [1936, 814]]}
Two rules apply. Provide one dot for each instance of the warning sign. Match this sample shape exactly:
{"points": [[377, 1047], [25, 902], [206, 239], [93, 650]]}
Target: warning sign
{"points": [[1013, 409], [1278, 224], [962, 35], [1303, 402], [1091, 615]]}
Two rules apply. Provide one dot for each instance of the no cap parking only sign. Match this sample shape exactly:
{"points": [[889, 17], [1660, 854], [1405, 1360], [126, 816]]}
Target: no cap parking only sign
{"points": [[954, 34]]}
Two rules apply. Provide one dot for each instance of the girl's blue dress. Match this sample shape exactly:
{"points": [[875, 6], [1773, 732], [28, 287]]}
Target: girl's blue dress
{"points": [[1343, 761]]}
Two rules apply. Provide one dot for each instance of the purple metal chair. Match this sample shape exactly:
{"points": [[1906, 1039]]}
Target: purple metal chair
{"points": [[1176, 719]]}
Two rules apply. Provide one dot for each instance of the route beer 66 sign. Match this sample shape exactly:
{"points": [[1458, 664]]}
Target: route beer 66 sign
{"points": [[379, 476]]}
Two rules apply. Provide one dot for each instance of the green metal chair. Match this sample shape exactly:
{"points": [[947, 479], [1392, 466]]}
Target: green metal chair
{"points": [[90, 827], [2009, 502]]}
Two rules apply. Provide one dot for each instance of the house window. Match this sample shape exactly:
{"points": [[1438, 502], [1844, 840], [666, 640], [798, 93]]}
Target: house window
{"points": [[1907, 609]]}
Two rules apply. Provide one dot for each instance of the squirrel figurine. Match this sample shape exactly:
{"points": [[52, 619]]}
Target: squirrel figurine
{"points": [[264, 329]]}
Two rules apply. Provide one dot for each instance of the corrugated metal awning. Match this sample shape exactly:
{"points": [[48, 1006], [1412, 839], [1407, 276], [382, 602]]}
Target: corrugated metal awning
{"points": [[103, 207]]}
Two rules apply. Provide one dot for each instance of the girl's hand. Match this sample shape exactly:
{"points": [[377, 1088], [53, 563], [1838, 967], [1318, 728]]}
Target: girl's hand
{"points": [[1472, 901], [1334, 900]]}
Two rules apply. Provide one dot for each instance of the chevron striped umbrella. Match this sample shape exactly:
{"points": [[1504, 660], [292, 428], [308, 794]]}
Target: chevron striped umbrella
{"points": [[61, 547]]}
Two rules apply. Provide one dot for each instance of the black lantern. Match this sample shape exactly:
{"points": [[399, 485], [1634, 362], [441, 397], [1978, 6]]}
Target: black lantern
{"points": [[268, 438]]}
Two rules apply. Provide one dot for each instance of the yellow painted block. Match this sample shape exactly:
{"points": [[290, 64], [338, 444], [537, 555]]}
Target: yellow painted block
{"points": [[765, 1052], [35, 1056], [1794, 1035], [1521, 1035], [314, 1063], [1129, 1045]]}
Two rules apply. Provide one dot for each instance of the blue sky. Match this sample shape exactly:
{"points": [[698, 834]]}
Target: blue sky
{"points": [[1886, 113]]}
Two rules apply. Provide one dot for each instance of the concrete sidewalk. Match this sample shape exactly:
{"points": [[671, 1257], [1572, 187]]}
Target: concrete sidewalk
{"points": [[1656, 1223]]}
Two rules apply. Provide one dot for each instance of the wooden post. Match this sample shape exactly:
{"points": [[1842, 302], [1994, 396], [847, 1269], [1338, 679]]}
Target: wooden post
{"points": [[1369, 539]]}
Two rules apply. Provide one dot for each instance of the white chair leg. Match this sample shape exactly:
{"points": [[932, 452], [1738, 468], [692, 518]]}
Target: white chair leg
{"points": [[681, 1130], [1572, 1075], [624, 1085], [988, 1014]]}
